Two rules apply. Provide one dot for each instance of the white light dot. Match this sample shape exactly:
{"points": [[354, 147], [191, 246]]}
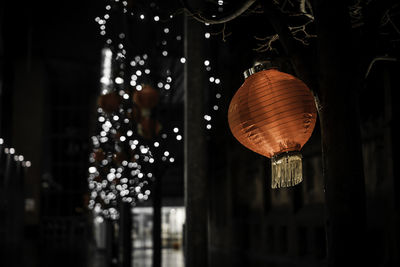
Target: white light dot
{"points": [[178, 37], [183, 60], [164, 53], [139, 87], [215, 107], [206, 62], [171, 160], [207, 117], [156, 144], [208, 126], [20, 158], [207, 35], [122, 138], [28, 164], [12, 150], [129, 133], [141, 16], [138, 73], [156, 18], [218, 95], [167, 86], [166, 30], [166, 153], [176, 129], [147, 71], [160, 85], [119, 80], [125, 96], [115, 118], [217, 81], [91, 169], [101, 119], [211, 79], [151, 160], [108, 7], [1, 141], [179, 137]]}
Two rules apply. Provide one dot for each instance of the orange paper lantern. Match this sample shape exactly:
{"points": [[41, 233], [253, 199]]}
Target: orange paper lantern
{"points": [[273, 114], [147, 98], [109, 102]]}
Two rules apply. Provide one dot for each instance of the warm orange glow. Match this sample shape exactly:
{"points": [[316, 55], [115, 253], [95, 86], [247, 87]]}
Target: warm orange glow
{"points": [[109, 102], [146, 98], [272, 112]]}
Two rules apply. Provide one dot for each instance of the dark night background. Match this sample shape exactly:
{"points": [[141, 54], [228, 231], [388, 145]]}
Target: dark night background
{"points": [[345, 212]]}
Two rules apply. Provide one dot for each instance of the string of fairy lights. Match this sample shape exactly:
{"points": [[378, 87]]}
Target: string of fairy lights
{"points": [[13, 154], [122, 161]]}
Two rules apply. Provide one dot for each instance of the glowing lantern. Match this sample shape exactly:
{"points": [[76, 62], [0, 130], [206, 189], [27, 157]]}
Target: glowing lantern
{"points": [[273, 113], [146, 98], [109, 102]]}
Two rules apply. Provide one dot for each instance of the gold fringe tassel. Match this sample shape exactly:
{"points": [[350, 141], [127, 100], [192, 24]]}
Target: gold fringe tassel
{"points": [[287, 169]]}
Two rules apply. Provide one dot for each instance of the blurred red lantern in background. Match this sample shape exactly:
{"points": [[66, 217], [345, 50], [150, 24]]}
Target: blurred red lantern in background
{"points": [[147, 97], [109, 102], [273, 113]]}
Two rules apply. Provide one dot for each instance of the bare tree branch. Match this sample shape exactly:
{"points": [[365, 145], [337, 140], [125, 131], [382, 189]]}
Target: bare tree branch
{"points": [[201, 17], [268, 45]]}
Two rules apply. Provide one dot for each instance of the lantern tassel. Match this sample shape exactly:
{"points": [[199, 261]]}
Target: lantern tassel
{"points": [[286, 169]]}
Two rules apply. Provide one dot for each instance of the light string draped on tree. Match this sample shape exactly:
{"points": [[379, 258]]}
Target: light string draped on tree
{"points": [[13, 154], [122, 157]]}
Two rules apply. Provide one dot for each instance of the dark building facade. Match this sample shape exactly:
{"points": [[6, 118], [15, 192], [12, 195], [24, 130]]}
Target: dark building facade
{"points": [[50, 67]]}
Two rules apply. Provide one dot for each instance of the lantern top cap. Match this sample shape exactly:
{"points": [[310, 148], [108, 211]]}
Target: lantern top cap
{"points": [[259, 67]]}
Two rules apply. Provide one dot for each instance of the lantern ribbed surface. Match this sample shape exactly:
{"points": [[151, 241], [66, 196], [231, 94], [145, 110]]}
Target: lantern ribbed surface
{"points": [[272, 113]]}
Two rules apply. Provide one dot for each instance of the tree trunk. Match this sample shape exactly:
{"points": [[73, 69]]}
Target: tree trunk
{"points": [[341, 138], [196, 233]]}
